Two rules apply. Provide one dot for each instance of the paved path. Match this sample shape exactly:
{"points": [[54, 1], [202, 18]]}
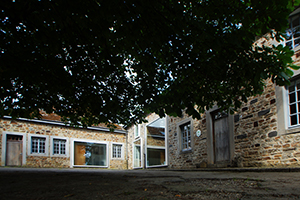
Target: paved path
{"points": [[28, 183]]}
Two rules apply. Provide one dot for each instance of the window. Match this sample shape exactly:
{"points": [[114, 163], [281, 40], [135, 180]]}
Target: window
{"points": [[293, 33], [59, 146], [186, 136], [156, 143], [294, 102], [137, 156], [156, 156], [117, 151], [90, 154], [136, 131], [38, 145]]}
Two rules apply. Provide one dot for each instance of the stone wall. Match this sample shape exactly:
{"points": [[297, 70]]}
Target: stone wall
{"points": [[198, 154], [152, 141], [61, 131], [255, 124], [257, 141]]}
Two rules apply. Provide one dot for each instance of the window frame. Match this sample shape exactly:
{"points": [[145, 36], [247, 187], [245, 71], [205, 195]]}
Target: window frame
{"points": [[30, 136], [134, 154], [73, 140], [180, 135], [296, 103], [136, 131], [52, 138], [293, 30], [122, 151]]}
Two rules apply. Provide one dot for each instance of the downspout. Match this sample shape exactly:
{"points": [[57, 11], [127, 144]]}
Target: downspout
{"points": [[127, 150]]}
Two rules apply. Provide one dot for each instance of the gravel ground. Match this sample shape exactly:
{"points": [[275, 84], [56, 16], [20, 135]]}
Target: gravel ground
{"points": [[144, 184]]}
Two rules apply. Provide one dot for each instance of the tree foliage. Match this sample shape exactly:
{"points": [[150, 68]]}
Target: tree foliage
{"points": [[98, 61]]}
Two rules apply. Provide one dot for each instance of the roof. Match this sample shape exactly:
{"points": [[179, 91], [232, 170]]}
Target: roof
{"points": [[54, 119]]}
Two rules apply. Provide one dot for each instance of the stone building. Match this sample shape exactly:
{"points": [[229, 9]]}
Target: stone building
{"points": [[147, 143], [265, 132], [50, 143]]}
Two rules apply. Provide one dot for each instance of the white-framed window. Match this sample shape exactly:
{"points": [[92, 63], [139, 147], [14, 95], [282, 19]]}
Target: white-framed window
{"points": [[185, 130], [293, 91], [89, 153], [156, 156], [136, 131], [293, 32], [38, 145], [137, 159], [59, 146], [117, 151]]}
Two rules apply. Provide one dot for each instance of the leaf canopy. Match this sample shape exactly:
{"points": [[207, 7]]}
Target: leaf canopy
{"points": [[114, 61]]}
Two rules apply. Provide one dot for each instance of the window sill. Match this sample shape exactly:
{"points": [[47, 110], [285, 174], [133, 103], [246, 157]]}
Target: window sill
{"points": [[90, 166], [37, 154], [60, 156], [186, 151], [117, 158], [292, 130]]}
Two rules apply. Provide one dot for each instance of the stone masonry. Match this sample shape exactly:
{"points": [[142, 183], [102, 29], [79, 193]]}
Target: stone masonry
{"points": [[62, 131], [257, 142]]}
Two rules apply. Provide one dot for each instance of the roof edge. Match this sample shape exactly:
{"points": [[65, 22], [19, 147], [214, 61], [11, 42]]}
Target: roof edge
{"points": [[67, 125]]}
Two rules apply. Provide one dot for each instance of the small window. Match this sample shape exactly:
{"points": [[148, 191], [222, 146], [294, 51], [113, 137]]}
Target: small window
{"points": [[117, 151], [292, 39], [59, 146], [294, 102], [186, 136], [38, 145], [136, 131]]}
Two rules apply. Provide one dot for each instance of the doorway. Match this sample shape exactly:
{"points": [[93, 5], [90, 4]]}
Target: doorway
{"points": [[221, 137], [14, 146]]}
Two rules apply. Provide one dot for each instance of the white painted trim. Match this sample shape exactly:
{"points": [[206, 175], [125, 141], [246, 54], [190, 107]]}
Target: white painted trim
{"points": [[153, 147], [67, 146], [46, 145], [133, 157], [73, 140], [3, 156], [138, 130], [145, 155], [122, 151], [282, 106], [156, 147]]}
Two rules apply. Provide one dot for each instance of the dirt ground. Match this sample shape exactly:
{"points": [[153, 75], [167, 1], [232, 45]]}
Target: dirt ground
{"points": [[20, 183]]}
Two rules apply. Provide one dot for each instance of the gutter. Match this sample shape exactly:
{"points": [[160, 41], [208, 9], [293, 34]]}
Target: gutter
{"points": [[67, 125]]}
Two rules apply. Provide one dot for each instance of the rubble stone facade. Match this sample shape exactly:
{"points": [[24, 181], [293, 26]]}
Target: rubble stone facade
{"points": [[28, 129], [258, 142]]}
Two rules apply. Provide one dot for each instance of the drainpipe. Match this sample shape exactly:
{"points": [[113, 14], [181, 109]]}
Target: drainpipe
{"points": [[127, 150]]}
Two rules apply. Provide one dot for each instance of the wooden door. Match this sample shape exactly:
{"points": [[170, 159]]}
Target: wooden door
{"points": [[79, 158], [221, 137], [14, 146]]}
